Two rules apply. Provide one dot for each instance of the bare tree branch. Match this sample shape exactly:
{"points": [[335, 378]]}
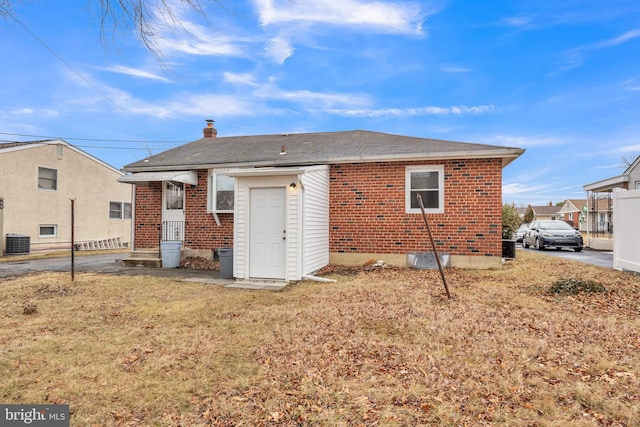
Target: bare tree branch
{"points": [[144, 17]]}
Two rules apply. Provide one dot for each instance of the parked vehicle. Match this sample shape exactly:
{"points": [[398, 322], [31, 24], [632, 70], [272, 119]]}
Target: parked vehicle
{"points": [[557, 234], [521, 231]]}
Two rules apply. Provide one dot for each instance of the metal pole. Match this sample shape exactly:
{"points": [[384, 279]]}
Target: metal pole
{"points": [[72, 239], [433, 245], [1, 227]]}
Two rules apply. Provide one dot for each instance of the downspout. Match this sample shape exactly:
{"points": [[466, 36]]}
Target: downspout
{"points": [[133, 216]]}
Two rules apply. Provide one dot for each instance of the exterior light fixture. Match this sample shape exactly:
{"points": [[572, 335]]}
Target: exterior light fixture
{"points": [[293, 186]]}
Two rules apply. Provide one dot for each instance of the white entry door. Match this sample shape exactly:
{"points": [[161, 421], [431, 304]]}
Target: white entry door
{"points": [[173, 211], [267, 234]]}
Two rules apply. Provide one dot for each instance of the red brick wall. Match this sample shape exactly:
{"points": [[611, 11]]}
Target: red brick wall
{"points": [[148, 215], [367, 209], [201, 230]]}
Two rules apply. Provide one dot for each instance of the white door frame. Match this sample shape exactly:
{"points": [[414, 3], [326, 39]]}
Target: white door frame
{"points": [[267, 245], [173, 199]]}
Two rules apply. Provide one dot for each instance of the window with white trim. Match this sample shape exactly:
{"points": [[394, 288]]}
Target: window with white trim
{"points": [[119, 210], [428, 182], [48, 230], [47, 179], [221, 192]]}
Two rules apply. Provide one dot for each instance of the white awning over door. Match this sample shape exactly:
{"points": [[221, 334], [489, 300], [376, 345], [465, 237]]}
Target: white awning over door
{"points": [[144, 178]]}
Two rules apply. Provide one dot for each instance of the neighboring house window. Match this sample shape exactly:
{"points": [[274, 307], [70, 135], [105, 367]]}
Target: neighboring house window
{"points": [[119, 210], [428, 182], [221, 192], [47, 179], [570, 216], [48, 230], [637, 185]]}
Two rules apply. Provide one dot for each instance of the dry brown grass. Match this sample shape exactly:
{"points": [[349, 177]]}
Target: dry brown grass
{"points": [[376, 348]]}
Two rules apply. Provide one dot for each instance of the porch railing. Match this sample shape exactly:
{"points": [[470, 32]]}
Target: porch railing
{"points": [[172, 231]]}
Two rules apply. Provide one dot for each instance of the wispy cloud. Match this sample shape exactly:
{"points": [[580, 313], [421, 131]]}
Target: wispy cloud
{"points": [[240, 78], [574, 58], [278, 50], [524, 141], [418, 111], [135, 72], [517, 21], [383, 16], [623, 38], [452, 69], [313, 100]]}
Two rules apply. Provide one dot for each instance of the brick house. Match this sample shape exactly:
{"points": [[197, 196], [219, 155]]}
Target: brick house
{"points": [[573, 213], [289, 204]]}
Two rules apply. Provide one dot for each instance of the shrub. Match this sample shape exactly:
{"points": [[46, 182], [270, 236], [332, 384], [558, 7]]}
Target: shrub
{"points": [[576, 286], [510, 221]]}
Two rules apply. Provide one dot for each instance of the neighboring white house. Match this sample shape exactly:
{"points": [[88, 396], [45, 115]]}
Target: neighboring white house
{"points": [[600, 204], [40, 178]]}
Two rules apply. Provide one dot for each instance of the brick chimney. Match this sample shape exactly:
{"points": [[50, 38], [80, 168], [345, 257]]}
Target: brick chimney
{"points": [[209, 131]]}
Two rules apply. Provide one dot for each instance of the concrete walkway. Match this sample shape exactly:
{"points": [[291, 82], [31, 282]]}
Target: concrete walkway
{"points": [[240, 284]]}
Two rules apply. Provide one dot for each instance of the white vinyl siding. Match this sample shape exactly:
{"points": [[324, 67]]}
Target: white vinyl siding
{"points": [[315, 220], [307, 220]]}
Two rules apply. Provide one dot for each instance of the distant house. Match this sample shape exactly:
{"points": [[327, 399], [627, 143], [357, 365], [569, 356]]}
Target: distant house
{"points": [[290, 204], [573, 212], [546, 212], [600, 204], [39, 180]]}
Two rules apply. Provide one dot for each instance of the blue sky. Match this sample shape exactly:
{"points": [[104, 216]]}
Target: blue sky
{"points": [[560, 79]]}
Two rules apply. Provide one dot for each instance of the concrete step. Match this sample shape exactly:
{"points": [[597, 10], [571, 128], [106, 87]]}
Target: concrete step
{"points": [[144, 258]]}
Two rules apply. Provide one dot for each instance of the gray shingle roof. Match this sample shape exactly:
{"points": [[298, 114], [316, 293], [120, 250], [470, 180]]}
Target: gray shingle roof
{"points": [[314, 148]]}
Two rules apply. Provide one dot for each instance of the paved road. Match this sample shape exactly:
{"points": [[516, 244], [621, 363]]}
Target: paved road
{"points": [[99, 263], [601, 258]]}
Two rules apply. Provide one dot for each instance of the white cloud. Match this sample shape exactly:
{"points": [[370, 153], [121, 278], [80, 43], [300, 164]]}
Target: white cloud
{"points": [[623, 38], [135, 72], [419, 111], [524, 141], [313, 100], [239, 78], [278, 50], [392, 17]]}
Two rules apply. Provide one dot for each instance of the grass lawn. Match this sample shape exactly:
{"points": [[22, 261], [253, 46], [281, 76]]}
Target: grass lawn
{"points": [[383, 347]]}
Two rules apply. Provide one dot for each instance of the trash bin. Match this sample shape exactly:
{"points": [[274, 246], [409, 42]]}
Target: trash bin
{"points": [[225, 255], [170, 253]]}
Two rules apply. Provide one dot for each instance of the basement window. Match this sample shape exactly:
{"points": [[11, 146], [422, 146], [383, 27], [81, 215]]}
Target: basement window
{"points": [[49, 230], [428, 182], [221, 192]]}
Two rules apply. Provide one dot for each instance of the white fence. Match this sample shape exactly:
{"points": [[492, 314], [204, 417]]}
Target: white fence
{"points": [[626, 239]]}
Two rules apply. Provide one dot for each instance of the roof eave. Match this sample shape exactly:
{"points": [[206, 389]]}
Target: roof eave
{"points": [[507, 155], [606, 184]]}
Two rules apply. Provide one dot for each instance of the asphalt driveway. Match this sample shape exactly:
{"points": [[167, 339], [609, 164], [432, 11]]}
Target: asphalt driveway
{"points": [[96, 263], [589, 256]]}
